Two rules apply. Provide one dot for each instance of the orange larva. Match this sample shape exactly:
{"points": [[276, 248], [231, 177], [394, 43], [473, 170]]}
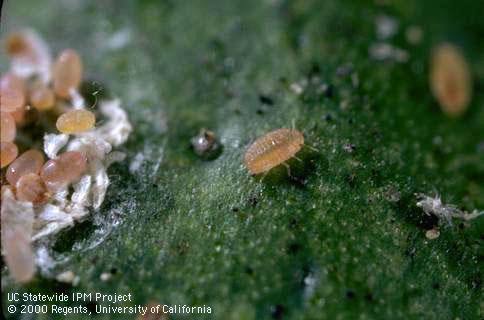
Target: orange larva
{"points": [[450, 79], [273, 149]]}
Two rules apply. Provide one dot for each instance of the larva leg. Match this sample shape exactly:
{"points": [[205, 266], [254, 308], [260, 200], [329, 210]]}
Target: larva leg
{"points": [[312, 148], [263, 176], [288, 168]]}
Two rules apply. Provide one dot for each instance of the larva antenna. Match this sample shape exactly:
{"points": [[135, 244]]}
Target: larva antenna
{"points": [[288, 168]]}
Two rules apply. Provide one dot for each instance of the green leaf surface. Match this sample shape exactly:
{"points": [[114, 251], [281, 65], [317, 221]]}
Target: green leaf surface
{"points": [[343, 238]]}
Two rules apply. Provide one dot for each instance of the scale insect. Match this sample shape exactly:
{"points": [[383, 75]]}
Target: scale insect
{"points": [[273, 149]]}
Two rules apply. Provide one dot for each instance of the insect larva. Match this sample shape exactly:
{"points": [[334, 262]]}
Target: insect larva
{"points": [[273, 149], [450, 79]]}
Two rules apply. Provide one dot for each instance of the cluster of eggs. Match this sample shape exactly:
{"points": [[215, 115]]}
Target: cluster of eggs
{"points": [[28, 175]]}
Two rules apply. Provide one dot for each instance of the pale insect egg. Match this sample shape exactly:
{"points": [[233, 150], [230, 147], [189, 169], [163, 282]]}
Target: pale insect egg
{"points": [[8, 153], [67, 73], [30, 161], [8, 127], [273, 149], [12, 92], [31, 188], [19, 116], [64, 170], [76, 121], [42, 98]]}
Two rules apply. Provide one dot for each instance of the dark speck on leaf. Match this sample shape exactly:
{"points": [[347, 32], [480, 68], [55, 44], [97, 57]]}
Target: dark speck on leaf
{"points": [[315, 69], [266, 100], [377, 135], [351, 180], [277, 311], [253, 200], [249, 270], [294, 248], [391, 193], [436, 286], [429, 222], [349, 147], [477, 281], [350, 294], [326, 90]]}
